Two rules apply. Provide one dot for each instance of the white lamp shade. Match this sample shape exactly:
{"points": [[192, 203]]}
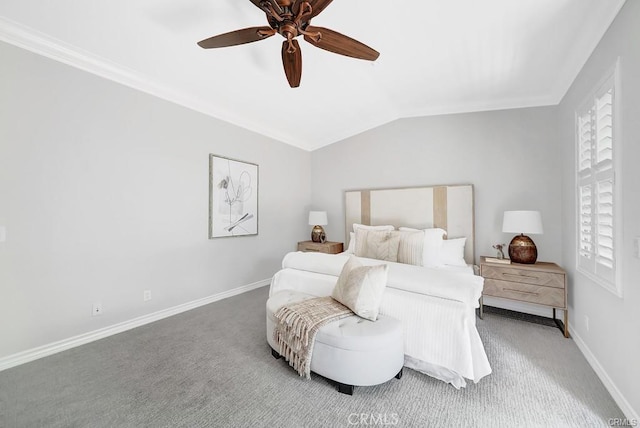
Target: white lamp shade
{"points": [[522, 222], [318, 218]]}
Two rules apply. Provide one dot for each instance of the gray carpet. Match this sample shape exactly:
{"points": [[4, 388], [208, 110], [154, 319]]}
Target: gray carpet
{"points": [[212, 367]]}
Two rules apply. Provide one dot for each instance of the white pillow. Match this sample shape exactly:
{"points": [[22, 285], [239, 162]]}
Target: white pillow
{"points": [[351, 249], [377, 244], [411, 247], [360, 288], [432, 247], [433, 241], [452, 252]]}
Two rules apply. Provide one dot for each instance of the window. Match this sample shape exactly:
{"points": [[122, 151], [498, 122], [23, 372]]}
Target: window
{"points": [[596, 135]]}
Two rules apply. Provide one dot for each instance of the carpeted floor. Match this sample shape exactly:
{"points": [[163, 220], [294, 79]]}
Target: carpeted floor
{"points": [[212, 367]]}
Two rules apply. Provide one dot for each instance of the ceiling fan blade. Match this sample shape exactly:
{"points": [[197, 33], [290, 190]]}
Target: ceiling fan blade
{"points": [[238, 37], [335, 42], [318, 6], [292, 62]]}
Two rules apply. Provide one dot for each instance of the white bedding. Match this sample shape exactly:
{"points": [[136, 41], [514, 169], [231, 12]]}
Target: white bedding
{"points": [[436, 306], [438, 282]]}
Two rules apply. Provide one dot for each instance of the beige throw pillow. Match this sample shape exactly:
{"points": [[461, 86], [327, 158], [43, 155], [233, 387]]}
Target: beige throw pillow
{"points": [[377, 244], [410, 248], [432, 248], [360, 288]]}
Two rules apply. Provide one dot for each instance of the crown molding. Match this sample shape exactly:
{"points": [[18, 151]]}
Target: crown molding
{"points": [[476, 107], [42, 44]]}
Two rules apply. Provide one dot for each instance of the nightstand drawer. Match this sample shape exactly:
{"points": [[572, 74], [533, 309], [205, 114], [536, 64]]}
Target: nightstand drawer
{"points": [[513, 274], [317, 247], [550, 296]]}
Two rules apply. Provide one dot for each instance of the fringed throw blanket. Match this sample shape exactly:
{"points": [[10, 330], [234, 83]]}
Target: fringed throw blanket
{"points": [[297, 326]]}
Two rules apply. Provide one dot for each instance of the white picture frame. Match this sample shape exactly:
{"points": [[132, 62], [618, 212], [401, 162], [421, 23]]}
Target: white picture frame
{"points": [[233, 197]]}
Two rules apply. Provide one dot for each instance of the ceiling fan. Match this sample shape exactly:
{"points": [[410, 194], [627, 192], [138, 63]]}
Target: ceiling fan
{"points": [[290, 19]]}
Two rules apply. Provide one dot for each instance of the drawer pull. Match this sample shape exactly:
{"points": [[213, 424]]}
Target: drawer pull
{"points": [[520, 291], [312, 250], [520, 276]]}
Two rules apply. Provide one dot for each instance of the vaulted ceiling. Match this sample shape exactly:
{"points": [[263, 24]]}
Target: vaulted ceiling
{"points": [[436, 57]]}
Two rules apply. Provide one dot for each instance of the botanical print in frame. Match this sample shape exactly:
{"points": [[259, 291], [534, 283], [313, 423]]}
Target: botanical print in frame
{"points": [[233, 197]]}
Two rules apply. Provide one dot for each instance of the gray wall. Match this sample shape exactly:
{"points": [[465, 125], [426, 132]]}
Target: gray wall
{"points": [[509, 156], [104, 193], [612, 341]]}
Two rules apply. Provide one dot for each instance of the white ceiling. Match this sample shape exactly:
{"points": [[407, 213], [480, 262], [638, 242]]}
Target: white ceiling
{"points": [[436, 57]]}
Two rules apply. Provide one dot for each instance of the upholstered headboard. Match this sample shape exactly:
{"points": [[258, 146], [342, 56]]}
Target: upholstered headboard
{"points": [[448, 207]]}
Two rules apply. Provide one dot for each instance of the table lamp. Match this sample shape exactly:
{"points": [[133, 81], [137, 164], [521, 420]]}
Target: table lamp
{"points": [[522, 249]]}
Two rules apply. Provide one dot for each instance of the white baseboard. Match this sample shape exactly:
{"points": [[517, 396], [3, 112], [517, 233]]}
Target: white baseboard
{"points": [[72, 342], [618, 397], [620, 400]]}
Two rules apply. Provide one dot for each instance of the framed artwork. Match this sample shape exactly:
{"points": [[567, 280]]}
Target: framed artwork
{"points": [[233, 197]]}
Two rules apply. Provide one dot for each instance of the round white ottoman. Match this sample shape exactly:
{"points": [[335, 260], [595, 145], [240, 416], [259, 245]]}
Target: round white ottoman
{"points": [[351, 351]]}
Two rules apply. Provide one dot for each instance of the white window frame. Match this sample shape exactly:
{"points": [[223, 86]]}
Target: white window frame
{"points": [[611, 281]]}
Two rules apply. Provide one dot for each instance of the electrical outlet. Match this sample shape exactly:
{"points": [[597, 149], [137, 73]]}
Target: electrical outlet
{"points": [[146, 295], [586, 322], [97, 309]]}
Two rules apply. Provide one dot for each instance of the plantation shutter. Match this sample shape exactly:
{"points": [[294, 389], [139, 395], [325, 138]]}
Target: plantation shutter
{"points": [[595, 176], [604, 189]]}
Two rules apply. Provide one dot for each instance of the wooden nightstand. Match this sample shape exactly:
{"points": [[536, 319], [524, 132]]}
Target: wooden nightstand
{"points": [[325, 247], [541, 283]]}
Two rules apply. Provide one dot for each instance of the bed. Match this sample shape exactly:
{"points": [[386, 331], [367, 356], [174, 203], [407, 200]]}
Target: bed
{"points": [[436, 303]]}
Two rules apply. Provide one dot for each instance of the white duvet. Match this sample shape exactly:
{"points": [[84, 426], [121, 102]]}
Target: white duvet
{"points": [[436, 306]]}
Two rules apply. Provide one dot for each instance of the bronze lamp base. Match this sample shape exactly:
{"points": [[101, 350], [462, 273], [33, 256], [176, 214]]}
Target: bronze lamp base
{"points": [[523, 250], [317, 234]]}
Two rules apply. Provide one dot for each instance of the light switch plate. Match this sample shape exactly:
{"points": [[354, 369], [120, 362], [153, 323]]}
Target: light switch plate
{"points": [[3, 233], [636, 246]]}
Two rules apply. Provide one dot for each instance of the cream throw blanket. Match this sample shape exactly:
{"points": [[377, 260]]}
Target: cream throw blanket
{"points": [[297, 326]]}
